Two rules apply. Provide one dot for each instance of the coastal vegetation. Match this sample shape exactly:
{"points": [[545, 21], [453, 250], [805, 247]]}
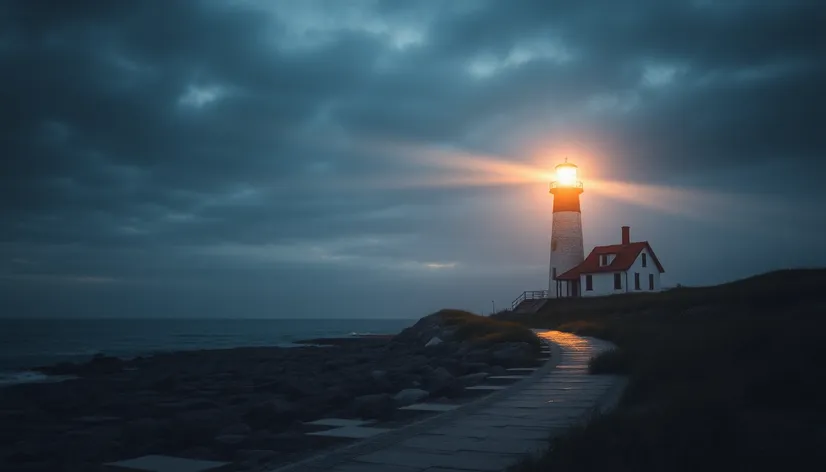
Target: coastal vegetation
{"points": [[485, 330], [729, 377]]}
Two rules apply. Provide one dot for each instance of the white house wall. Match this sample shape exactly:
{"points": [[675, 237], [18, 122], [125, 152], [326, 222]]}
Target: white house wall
{"points": [[603, 282]]}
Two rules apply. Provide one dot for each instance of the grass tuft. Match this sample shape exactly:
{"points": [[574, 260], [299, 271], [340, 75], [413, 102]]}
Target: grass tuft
{"points": [[613, 361], [485, 330]]}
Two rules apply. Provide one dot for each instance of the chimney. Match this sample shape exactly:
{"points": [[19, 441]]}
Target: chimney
{"points": [[626, 235]]}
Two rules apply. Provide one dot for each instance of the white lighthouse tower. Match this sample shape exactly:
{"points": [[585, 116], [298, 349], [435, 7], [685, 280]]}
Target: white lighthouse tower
{"points": [[567, 250]]}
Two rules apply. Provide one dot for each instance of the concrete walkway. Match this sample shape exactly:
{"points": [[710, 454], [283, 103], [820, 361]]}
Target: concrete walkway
{"points": [[495, 434]]}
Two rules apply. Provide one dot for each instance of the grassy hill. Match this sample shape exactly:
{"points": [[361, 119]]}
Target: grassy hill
{"points": [[730, 377]]}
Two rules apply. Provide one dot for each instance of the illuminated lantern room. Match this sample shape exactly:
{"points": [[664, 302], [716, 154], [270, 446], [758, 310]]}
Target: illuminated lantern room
{"points": [[567, 176]]}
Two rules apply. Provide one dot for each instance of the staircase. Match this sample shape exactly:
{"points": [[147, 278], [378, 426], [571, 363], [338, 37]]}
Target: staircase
{"points": [[530, 301]]}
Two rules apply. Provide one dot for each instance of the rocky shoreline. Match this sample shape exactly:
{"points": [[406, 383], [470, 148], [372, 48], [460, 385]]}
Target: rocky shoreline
{"points": [[245, 405]]}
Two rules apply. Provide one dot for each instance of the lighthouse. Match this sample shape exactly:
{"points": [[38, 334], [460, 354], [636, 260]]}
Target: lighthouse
{"points": [[567, 249]]}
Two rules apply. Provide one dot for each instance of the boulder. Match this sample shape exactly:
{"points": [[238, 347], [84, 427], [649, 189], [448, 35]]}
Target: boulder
{"points": [[473, 367], [337, 396], [478, 356], [438, 378], [291, 441], [261, 440], [409, 396], [191, 428], [441, 382], [145, 430], [237, 429], [473, 379], [253, 457], [227, 444], [513, 354], [198, 452], [498, 370], [375, 406], [298, 388], [435, 340], [382, 382], [271, 414]]}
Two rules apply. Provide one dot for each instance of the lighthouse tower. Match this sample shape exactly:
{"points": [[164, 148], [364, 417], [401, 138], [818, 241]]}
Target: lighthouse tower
{"points": [[567, 250]]}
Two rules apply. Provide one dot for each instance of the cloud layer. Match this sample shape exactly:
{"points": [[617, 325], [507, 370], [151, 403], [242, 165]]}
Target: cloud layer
{"points": [[257, 158]]}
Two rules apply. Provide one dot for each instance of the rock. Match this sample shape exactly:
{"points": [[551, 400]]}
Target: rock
{"points": [[473, 379], [435, 340], [192, 428], [237, 428], [229, 439], [498, 370], [478, 356], [513, 354], [473, 367], [165, 384], [375, 406], [255, 456], [438, 379], [145, 430], [378, 375], [337, 396], [94, 420], [409, 396], [271, 414], [227, 444], [261, 440], [198, 452], [299, 388]]}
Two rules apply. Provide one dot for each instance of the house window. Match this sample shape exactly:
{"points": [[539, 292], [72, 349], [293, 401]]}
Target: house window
{"points": [[589, 282], [617, 281], [650, 281], [636, 281], [603, 260], [644, 260], [554, 273]]}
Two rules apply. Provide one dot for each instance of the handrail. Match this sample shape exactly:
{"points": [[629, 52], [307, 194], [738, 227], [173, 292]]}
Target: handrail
{"points": [[529, 295]]}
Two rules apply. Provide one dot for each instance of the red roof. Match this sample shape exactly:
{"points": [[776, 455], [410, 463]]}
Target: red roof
{"points": [[625, 257]]}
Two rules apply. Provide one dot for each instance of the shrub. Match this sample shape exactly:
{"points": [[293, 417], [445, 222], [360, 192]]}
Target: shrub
{"points": [[613, 361]]}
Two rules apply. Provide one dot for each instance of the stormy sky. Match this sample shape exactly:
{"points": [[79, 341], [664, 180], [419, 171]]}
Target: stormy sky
{"points": [[256, 158]]}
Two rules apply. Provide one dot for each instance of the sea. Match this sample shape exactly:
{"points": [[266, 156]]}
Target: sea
{"points": [[25, 344]]}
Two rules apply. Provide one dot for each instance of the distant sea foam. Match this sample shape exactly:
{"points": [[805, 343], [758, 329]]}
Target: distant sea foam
{"points": [[25, 344]]}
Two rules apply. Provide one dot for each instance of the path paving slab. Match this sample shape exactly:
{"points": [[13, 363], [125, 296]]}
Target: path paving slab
{"points": [[338, 422], [364, 467], [475, 461], [487, 387], [157, 463], [430, 407], [351, 432]]}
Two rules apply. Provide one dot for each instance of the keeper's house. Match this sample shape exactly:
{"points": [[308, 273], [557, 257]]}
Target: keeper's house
{"points": [[620, 268]]}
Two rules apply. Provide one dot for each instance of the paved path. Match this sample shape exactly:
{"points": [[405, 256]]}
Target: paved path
{"points": [[496, 434]]}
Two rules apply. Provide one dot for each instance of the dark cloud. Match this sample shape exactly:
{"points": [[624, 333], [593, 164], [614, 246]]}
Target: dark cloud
{"points": [[252, 148]]}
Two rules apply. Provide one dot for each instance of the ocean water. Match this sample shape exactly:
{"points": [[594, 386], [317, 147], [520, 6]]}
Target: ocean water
{"points": [[29, 343]]}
